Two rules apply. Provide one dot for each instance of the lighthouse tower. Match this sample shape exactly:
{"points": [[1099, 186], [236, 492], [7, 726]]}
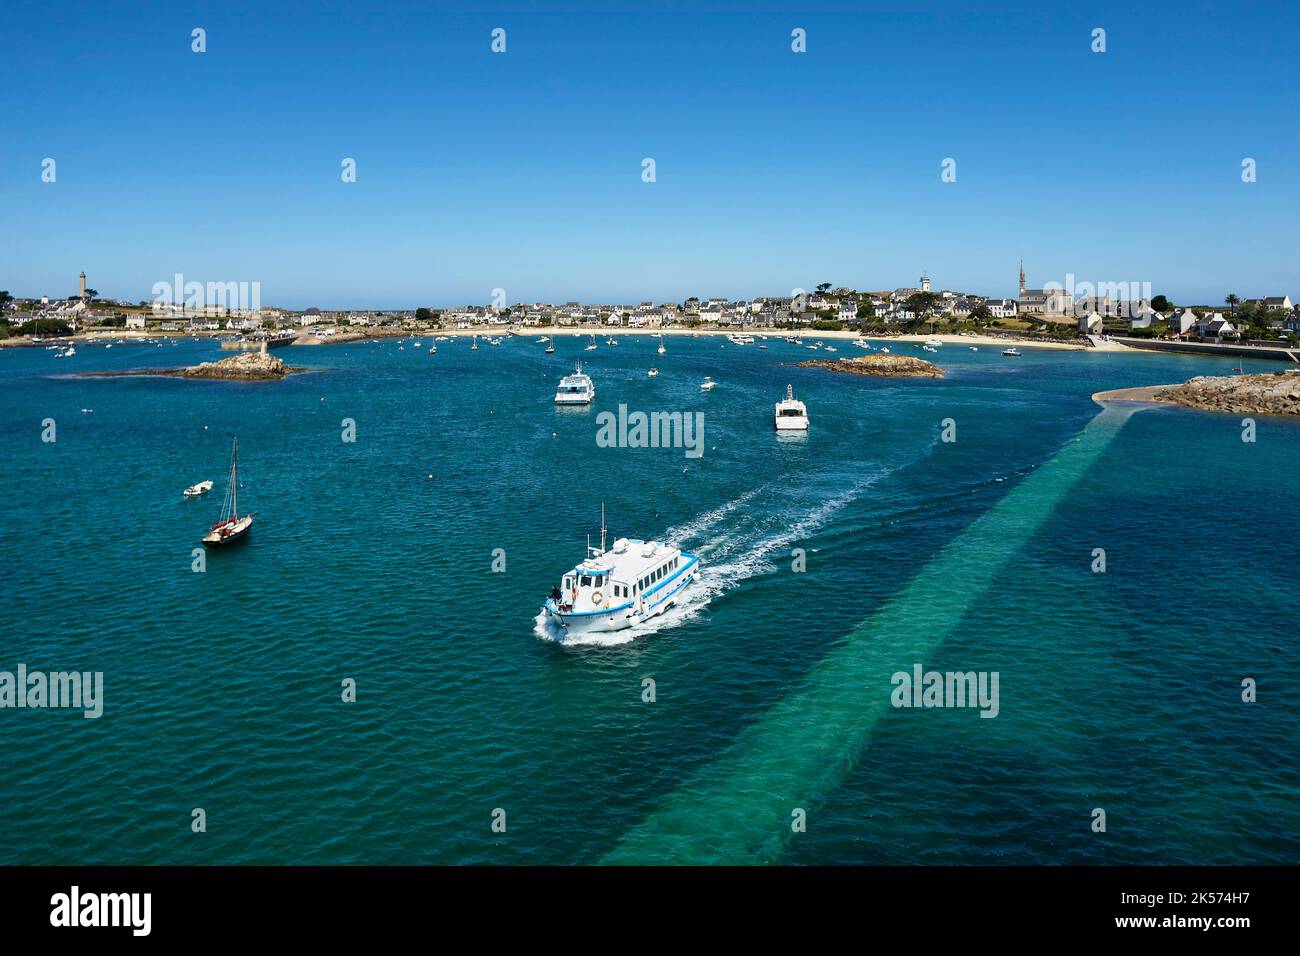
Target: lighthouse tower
{"points": [[83, 287], [925, 283]]}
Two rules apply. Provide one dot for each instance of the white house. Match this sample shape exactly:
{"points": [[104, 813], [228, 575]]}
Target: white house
{"points": [[1090, 324], [1183, 321], [135, 321], [1002, 308], [1215, 326]]}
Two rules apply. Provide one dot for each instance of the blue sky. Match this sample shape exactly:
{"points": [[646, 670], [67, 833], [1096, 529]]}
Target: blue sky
{"points": [[522, 170]]}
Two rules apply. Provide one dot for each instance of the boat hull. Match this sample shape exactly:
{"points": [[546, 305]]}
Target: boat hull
{"points": [[224, 535], [618, 619]]}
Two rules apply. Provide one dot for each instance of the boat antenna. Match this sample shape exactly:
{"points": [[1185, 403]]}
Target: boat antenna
{"points": [[602, 527]]}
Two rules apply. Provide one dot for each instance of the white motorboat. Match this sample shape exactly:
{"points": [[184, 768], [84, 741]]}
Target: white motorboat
{"points": [[934, 343], [1013, 351], [575, 389], [708, 384], [550, 349], [622, 587], [196, 491], [653, 372], [791, 414]]}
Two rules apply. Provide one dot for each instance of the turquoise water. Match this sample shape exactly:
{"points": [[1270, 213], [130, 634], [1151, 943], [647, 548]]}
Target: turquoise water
{"points": [[373, 560]]}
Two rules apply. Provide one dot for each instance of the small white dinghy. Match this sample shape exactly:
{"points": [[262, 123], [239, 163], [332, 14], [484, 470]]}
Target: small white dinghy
{"points": [[196, 491], [708, 384]]}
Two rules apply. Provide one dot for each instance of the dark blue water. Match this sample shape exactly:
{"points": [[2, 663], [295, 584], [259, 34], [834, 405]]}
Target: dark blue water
{"points": [[373, 560]]}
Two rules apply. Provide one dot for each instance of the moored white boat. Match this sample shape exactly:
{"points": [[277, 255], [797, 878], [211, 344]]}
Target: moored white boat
{"points": [[575, 389], [621, 587], [791, 414], [708, 384], [1013, 351], [194, 491]]}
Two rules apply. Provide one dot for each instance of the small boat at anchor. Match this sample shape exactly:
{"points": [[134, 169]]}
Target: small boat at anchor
{"points": [[791, 414], [197, 491], [232, 526], [653, 372], [1013, 351], [708, 384], [575, 389]]}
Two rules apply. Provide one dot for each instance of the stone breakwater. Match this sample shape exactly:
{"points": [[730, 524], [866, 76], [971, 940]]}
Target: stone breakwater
{"points": [[882, 366], [1267, 393]]}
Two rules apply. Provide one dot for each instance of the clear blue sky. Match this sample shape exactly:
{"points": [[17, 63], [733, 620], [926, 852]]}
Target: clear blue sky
{"points": [[523, 170]]}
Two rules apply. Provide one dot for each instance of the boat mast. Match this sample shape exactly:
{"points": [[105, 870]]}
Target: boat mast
{"points": [[602, 527], [234, 474]]}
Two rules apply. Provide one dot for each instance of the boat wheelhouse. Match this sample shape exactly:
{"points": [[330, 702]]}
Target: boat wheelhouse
{"points": [[619, 588], [791, 414], [575, 389]]}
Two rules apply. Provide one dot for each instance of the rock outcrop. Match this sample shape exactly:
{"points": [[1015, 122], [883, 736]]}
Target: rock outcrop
{"points": [[1267, 393], [245, 367], [883, 366]]}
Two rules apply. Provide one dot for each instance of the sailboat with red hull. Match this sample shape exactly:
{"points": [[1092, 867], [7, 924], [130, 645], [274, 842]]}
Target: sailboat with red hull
{"points": [[233, 526]]}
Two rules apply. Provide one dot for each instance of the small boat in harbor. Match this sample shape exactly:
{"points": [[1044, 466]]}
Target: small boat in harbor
{"points": [[661, 350], [791, 414], [232, 525], [575, 389], [622, 587], [934, 343], [1013, 351], [433, 350], [708, 384], [550, 349], [473, 345], [197, 491], [653, 372]]}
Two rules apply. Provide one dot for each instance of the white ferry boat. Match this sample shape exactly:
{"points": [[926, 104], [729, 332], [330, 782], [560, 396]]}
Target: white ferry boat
{"points": [[575, 389], [791, 414], [617, 589]]}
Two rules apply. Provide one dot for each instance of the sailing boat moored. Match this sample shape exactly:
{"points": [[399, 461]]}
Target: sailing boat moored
{"points": [[232, 525]]}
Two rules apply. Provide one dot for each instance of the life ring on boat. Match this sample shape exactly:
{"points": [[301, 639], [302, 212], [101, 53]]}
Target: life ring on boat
{"points": [[595, 597]]}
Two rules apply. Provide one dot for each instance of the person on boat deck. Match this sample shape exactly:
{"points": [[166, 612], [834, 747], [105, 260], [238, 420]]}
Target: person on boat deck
{"points": [[555, 595], [573, 598]]}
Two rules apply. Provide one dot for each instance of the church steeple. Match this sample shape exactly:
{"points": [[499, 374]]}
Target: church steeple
{"points": [[1022, 278]]}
